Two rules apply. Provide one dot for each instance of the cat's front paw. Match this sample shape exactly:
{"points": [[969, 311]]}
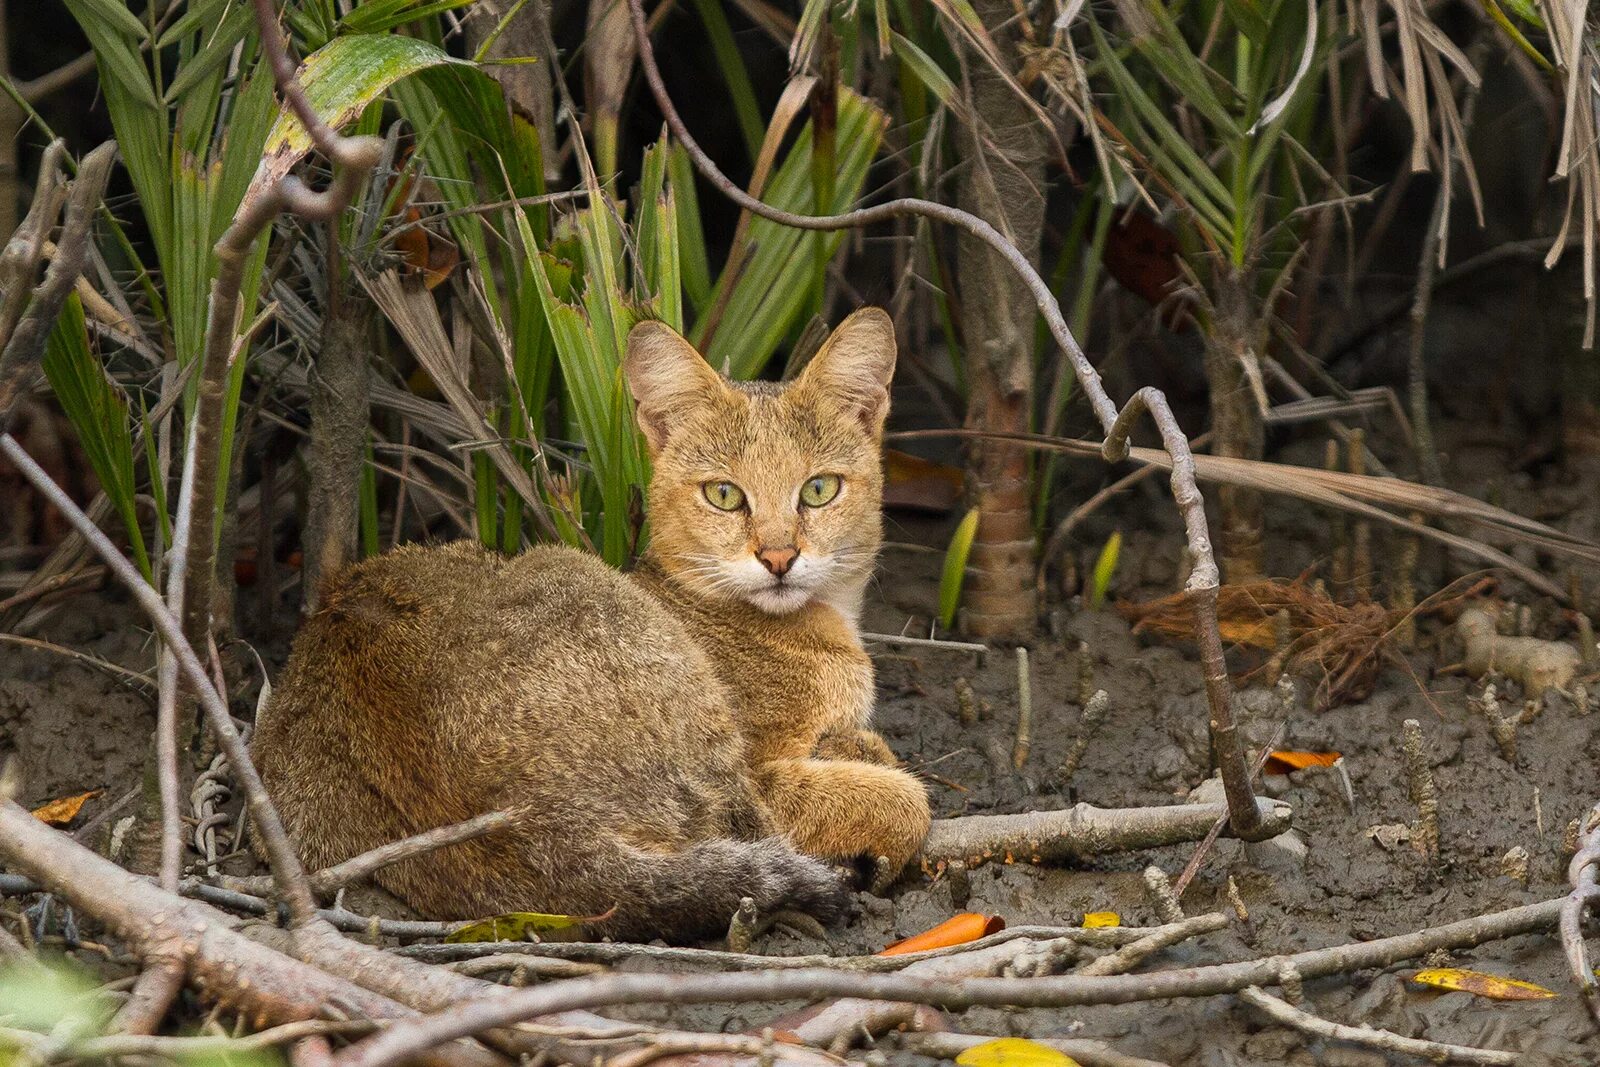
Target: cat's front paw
{"points": [[863, 746]]}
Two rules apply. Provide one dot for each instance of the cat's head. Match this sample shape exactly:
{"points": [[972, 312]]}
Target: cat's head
{"points": [[765, 493]]}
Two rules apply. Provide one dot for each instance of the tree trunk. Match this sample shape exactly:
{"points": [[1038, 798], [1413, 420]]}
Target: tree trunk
{"points": [[527, 86], [1003, 182], [337, 447], [1236, 427]]}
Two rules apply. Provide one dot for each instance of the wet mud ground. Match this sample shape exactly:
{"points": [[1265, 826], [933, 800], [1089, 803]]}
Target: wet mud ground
{"points": [[75, 728]]}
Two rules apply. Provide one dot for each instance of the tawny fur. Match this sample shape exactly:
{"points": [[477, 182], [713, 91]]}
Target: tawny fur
{"points": [[671, 740]]}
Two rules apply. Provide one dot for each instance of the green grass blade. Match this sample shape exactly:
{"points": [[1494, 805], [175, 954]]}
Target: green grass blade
{"points": [[1105, 568], [100, 416], [693, 260], [955, 568], [731, 63]]}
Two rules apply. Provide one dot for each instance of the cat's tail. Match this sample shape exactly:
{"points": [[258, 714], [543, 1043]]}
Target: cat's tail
{"points": [[692, 894]]}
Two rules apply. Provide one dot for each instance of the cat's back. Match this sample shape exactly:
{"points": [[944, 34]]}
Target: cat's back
{"points": [[450, 680], [462, 639]]}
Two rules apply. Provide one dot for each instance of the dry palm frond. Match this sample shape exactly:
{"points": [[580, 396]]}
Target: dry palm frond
{"points": [[1425, 52], [1358, 494], [415, 316], [1337, 646], [1579, 158]]}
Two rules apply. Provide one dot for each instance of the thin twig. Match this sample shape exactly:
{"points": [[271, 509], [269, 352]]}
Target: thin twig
{"points": [[1117, 425], [901, 641], [287, 872], [612, 952], [138, 677], [1584, 873], [332, 879], [168, 687], [1130, 956], [410, 1038], [1433, 1051], [25, 345]]}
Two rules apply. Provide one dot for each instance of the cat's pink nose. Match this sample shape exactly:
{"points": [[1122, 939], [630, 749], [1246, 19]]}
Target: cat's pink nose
{"points": [[778, 560]]}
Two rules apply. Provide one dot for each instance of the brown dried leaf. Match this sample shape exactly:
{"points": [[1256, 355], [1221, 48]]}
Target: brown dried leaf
{"points": [[61, 812]]}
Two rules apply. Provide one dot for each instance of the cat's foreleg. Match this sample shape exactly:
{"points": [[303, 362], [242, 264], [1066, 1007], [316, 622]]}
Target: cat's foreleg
{"points": [[846, 809], [865, 746]]}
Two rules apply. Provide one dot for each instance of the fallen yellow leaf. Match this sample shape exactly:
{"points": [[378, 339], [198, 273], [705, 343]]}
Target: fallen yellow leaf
{"points": [[1101, 920], [63, 811], [517, 925], [1484, 985], [1282, 762], [1014, 1052]]}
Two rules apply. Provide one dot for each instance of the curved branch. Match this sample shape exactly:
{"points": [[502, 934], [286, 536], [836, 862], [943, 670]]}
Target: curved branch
{"points": [[1244, 816], [1583, 873]]}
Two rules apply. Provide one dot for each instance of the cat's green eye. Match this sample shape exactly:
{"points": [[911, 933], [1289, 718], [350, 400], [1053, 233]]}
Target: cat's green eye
{"points": [[819, 490], [724, 496]]}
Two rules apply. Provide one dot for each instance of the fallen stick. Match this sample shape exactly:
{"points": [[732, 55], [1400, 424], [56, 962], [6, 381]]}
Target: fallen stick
{"points": [[1584, 874], [1088, 1052], [620, 952], [411, 1037], [223, 965], [251, 970], [1131, 955], [1079, 831], [332, 879], [1433, 1051], [836, 1026]]}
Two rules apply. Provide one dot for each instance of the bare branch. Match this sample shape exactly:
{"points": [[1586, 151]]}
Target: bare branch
{"points": [[353, 158], [332, 879], [1583, 872], [289, 875], [410, 1038], [1079, 831], [25, 346], [1432, 1051]]}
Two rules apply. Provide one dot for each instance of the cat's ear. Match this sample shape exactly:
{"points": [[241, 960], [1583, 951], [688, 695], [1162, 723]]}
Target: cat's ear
{"points": [[854, 367], [668, 378]]}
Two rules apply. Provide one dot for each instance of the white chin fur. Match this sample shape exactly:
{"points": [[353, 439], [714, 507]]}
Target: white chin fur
{"points": [[778, 599]]}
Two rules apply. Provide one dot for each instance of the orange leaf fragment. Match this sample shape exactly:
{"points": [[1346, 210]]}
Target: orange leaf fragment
{"points": [[1252, 633], [63, 811], [1282, 762], [920, 484], [1492, 986], [968, 926]]}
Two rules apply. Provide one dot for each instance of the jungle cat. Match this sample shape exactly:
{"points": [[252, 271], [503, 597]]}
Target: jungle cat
{"points": [[670, 739]]}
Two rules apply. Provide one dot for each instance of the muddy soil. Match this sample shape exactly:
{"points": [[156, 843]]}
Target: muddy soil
{"points": [[75, 727]]}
